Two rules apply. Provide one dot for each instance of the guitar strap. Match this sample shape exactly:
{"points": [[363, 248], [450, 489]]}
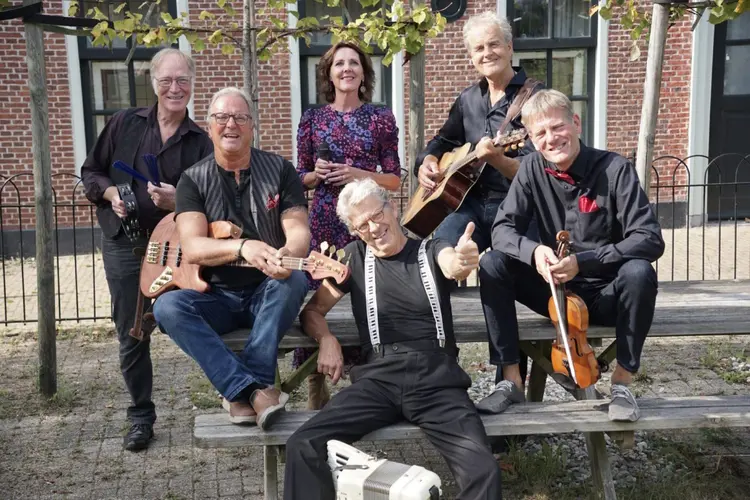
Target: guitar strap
{"points": [[514, 110]]}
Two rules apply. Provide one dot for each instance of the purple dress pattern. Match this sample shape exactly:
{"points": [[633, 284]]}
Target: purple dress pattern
{"points": [[366, 138]]}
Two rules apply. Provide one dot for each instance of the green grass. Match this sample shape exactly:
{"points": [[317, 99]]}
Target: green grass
{"points": [[202, 394]]}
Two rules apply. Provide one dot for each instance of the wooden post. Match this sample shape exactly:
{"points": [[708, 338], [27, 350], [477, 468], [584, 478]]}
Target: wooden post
{"points": [[652, 87], [45, 269], [416, 114], [250, 65]]}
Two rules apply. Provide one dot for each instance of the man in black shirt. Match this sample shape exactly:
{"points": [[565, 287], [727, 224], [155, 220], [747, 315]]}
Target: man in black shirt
{"points": [[596, 197], [401, 304], [262, 194], [166, 131], [475, 117]]}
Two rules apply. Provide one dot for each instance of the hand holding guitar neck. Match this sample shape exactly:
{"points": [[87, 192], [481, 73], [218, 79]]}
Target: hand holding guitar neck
{"points": [[266, 258]]}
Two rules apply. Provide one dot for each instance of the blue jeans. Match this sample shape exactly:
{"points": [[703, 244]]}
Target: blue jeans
{"points": [[196, 321], [475, 208]]}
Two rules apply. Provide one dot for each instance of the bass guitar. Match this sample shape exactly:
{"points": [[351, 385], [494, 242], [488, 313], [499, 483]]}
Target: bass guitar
{"points": [[164, 269], [459, 171]]}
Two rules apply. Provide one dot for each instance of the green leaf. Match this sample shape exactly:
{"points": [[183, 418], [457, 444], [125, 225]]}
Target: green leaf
{"points": [[205, 15], [119, 8], [73, 8], [216, 37], [419, 16], [227, 49], [221, 3], [199, 45]]}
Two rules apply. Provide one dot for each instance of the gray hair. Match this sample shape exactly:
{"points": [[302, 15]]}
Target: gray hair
{"points": [[170, 51], [229, 91], [484, 20], [355, 193], [542, 102]]}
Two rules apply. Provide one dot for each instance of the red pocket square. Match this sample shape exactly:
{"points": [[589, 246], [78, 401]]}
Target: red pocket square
{"points": [[587, 205], [272, 203]]}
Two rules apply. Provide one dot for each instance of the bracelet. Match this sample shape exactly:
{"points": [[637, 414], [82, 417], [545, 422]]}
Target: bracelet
{"points": [[239, 250]]}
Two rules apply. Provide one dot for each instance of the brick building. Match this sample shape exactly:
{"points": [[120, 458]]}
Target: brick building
{"points": [[704, 110]]}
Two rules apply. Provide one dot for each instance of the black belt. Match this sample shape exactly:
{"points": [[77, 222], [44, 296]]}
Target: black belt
{"points": [[406, 347]]}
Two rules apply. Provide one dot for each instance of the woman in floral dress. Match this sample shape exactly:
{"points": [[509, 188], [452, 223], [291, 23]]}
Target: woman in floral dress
{"points": [[361, 141]]}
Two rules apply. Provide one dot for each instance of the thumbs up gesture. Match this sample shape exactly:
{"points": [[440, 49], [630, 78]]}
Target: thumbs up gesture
{"points": [[467, 254]]}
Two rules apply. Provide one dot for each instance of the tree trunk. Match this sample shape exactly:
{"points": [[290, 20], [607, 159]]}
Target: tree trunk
{"points": [[45, 269], [416, 115], [250, 65], [652, 87]]}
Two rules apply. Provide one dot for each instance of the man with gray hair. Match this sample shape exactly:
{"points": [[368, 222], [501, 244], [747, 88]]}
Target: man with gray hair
{"points": [[479, 113], [165, 131], [400, 300], [261, 194], [596, 197]]}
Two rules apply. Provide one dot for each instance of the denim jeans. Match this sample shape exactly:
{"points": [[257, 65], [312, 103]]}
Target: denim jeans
{"points": [[196, 321], [122, 269], [479, 209]]}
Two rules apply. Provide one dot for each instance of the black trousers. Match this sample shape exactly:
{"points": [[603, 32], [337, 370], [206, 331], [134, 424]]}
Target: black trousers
{"points": [[626, 302], [426, 388], [122, 268]]}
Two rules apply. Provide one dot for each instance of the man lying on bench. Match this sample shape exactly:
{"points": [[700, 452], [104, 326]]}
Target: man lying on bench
{"points": [[401, 304]]}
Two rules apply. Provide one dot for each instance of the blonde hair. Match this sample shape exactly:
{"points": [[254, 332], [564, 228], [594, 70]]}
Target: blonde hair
{"points": [[543, 102], [355, 193], [487, 19]]}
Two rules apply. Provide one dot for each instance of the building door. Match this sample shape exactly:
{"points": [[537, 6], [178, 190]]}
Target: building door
{"points": [[730, 121]]}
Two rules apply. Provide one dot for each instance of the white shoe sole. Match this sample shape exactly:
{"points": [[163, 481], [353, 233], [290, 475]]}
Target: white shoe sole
{"points": [[267, 418], [239, 419]]}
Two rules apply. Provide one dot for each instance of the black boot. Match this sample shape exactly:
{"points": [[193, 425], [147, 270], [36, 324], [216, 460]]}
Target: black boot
{"points": [[138, 437]]}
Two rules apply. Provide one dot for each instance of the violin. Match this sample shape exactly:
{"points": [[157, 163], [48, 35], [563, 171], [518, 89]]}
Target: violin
{"points": [[572, 356]]}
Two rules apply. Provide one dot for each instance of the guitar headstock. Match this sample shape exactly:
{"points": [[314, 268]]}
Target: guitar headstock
{"points": [[320, 266], [510, 141]]}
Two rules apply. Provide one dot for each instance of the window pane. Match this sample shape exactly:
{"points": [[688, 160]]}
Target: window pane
{"points": [[736, 81], [581, 108], [739, 29], [533, 63], [109, 84], [144, 91], [319, 9], [531, 18], [571, 18], [569, 71]]}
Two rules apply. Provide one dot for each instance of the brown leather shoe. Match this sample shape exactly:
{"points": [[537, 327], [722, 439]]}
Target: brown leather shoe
{"points": [[239, 412], [268, 403], [317, 391]]}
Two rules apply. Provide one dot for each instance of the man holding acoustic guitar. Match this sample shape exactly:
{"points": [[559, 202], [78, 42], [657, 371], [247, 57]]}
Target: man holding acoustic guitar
{"points": [[483, 111], [261, 194], [592, 199]]}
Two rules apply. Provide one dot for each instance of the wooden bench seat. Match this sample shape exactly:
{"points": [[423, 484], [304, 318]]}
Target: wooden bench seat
{"points": [[588, 416], [682, 308]]}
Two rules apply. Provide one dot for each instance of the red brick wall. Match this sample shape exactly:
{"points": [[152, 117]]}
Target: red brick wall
{"points": [[448, 71], [625, 93], [15, 125]]}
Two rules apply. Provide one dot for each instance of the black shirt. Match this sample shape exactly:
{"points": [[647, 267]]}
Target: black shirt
{"points": [[470, 119], [171, 158], [189, 199], [600, 202], [404, 311]]}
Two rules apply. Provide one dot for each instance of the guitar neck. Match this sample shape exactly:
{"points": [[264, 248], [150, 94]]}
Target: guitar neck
{"points": [[291, 263]]}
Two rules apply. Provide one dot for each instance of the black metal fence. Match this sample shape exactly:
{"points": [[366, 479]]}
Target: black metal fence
{"points": [[703, 205]]}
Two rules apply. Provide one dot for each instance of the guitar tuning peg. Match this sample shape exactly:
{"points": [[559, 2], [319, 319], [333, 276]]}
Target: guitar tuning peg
{"points": [[323, 247], [340, 254], [331, 250]]}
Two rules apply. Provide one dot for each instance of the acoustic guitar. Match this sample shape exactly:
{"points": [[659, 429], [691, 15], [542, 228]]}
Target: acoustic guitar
{"points": [[164, 268], [458, 173]]}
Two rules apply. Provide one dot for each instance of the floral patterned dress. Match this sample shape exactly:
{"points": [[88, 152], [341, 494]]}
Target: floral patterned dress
{"points": [[366, 138]]}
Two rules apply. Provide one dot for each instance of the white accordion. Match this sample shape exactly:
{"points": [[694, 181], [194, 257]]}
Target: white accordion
{"points": [[359, 476]]}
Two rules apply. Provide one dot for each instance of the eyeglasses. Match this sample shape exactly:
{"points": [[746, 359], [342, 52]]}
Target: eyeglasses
{"points": [[239, 119], [165, 83], [377, 218]]}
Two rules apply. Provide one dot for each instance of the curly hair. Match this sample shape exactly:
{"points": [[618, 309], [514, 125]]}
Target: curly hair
{"points": [[325, 86]]}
